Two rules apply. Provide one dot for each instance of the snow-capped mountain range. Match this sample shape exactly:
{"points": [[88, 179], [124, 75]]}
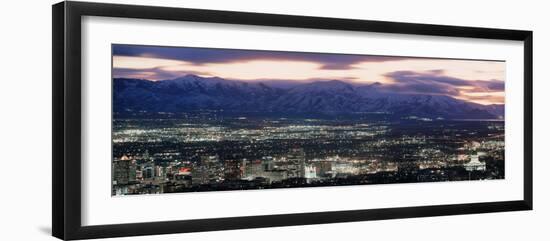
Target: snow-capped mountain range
{"points": [[334, 97]]}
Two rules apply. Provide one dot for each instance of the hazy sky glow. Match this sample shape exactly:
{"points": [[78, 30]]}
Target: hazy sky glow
{"points": [[472, 80]]}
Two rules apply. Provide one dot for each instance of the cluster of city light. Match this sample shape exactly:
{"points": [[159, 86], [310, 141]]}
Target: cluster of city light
{"points": [[187, 155], [195, 133]]}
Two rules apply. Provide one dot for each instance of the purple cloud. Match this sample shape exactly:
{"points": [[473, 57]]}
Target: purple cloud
{"points": [[434, 82], [151, 73], [211, 55]]}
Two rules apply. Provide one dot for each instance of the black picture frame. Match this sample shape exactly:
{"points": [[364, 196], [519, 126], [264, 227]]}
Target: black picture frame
{"points": [[66, 47]]}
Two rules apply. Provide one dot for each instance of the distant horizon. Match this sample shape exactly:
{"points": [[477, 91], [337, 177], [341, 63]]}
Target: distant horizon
{"points": [[288, 84], [477, 81]]}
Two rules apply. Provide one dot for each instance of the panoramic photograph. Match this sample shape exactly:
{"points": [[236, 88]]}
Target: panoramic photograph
{"points": [[188, 119]]}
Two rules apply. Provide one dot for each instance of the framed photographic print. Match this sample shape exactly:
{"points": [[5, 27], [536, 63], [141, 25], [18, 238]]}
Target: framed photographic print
{"points": [[170, 120]]}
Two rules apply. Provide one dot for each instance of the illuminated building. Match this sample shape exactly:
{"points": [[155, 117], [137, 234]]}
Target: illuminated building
{"points": [[124, 170], [232, 169], [310, 172], [267, 163], [200, 175], [344, 168], [148, 172], [253, 169], [296, 158], [275, 175], [159, 171], [474, 164]]}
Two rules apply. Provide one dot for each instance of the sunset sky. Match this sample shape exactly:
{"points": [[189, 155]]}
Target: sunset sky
{"points": [[472, 80]]}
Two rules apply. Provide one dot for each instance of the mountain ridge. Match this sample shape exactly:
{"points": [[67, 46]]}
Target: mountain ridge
{"points": [[192, 92]]}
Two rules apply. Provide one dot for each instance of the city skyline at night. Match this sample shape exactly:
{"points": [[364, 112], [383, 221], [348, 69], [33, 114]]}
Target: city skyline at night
{"points": [[202, 119]]}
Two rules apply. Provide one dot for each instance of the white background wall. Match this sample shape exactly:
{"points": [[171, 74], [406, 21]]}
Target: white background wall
{"points": [[25, 120]]}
